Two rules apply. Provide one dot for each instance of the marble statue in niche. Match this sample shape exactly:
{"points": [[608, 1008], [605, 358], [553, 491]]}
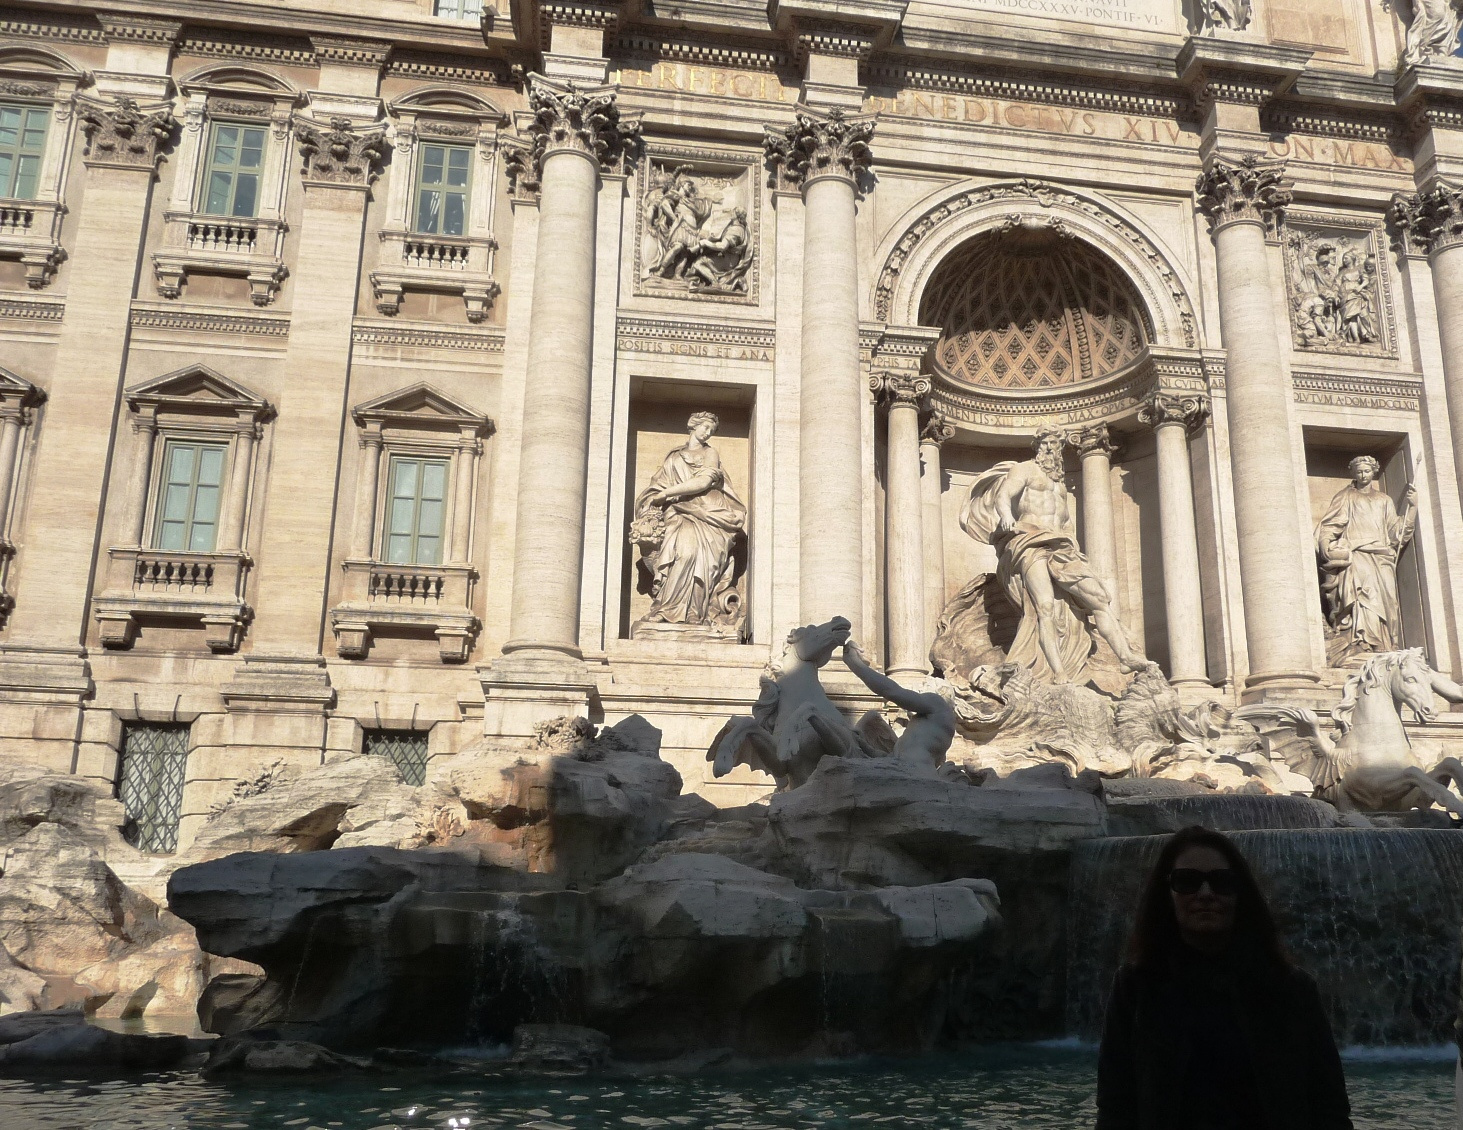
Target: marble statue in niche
{"points": [[1225, 15], [1432, 32], [1358, 542], [1025, 511], [695, 235], [690, 529], [1335, 293]]}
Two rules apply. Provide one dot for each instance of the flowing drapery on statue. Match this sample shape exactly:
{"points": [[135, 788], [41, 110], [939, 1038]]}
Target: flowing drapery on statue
{"points": [[688, 525], [1358, 542], [1023, 510]]}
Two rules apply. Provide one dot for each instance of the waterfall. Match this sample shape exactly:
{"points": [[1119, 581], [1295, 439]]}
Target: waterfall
{"points": [[1374, 915]]}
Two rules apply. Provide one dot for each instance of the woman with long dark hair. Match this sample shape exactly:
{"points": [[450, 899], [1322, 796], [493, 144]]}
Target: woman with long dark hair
{"points": [[1209, 1026]]}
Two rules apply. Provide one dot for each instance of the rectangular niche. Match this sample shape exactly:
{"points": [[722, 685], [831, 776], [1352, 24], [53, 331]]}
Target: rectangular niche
{"points": [[698, 226], [1329, 452], [658, 425]]}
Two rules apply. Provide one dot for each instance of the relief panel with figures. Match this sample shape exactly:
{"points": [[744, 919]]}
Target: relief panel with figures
{"points": [[1340, 295], [697, 227]]}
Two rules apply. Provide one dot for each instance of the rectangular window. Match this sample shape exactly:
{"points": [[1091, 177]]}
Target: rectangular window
{"points": [[415, 505], [22, 141], [188, 494], [443, 173], [458, 9], [150, 784], [406, 749], [235, 160]]}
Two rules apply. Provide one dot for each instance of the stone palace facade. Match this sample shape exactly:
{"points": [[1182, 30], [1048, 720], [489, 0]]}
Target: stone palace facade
{"points": [[386, 375]]}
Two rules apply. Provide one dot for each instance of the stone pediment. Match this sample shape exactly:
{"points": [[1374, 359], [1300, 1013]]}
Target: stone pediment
{"points": [[17, 390], [196, 388], [448, 101], [421, 406]]}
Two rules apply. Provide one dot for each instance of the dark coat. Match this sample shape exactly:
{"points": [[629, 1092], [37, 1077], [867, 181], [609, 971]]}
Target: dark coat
{"points": [[1279, 1035]]}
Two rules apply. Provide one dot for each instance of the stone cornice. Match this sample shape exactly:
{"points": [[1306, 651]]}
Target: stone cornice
{"points": [[344, 51], [848, 28], [1242, 72], [118, 27], [719, 51]]}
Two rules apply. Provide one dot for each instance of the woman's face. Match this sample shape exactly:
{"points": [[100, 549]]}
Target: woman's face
{"points": [[702, 431], [1205, 919]]}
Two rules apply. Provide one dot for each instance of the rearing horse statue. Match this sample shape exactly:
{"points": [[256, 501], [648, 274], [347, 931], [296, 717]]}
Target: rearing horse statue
{"points": [[1372, 766]]}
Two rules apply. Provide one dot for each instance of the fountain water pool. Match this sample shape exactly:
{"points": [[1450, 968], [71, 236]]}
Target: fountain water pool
{"points": [[1374, 915], [995, 1087]]}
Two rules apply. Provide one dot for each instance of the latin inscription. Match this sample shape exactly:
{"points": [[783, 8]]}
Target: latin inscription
{"points": [[1336, 151], [686, 78], [933, 106], [1146, 15], [713, 350]]}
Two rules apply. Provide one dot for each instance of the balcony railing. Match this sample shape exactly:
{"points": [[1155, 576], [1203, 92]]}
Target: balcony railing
{"points": [[406, 584], [168, 573], [16, 220], [225, 237], [439, 254]]}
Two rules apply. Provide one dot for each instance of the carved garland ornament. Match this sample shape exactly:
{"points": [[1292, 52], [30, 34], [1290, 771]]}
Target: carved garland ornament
{"points": [[1250, 190], [123, 134], [341, 154], [1427, 221], [568, 118], [814, 146], [1047, 196]]}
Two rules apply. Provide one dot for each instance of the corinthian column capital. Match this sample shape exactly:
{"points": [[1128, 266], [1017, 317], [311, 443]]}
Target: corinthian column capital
{"points": [[121, 134], [818, 145], [341, 154], [568, 119], [1095, 439], [897, 390], [1163, 408], [1250, 190], [1429, 221]]}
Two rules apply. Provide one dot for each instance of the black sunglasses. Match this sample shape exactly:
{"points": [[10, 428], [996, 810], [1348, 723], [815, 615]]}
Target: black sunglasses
{"points": [[1187, 881]]}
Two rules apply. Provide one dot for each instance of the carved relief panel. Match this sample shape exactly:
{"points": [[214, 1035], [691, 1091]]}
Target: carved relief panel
{"points": [[698, 226], [1339, 290]]}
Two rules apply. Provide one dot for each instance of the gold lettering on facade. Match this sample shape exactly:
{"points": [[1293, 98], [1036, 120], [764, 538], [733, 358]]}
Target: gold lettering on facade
{"points": [[683, 78], [1333, 151], [1030, 116]]}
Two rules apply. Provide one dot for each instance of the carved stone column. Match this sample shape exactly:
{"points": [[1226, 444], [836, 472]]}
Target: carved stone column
{"points": [[1241, 198], [574, 135], [341, 158], [12, 423], [124, 140], [1173, 418], [144, 440], [1097, 447], [368, 485], [464, 475], [231, 525], [1433, 222], [824, 154], [902, 395], [933, 434]]}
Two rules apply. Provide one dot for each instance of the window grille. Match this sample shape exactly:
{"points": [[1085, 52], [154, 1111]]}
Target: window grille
{"points": [[459, 9], [235, 160], [443, 172], [188, 495], [22, 142], [406, 749], [150, 784], [417, 498]]}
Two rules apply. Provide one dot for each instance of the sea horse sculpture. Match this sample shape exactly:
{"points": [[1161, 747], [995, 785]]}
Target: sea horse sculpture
{"points": [[1373, 766], [794, 724]]}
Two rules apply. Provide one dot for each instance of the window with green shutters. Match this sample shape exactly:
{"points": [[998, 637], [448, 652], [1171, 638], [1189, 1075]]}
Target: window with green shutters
{"points": [[458, 9], [22, 143], [415, 504], [188, 496], [443, 173], [235, 162]]}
